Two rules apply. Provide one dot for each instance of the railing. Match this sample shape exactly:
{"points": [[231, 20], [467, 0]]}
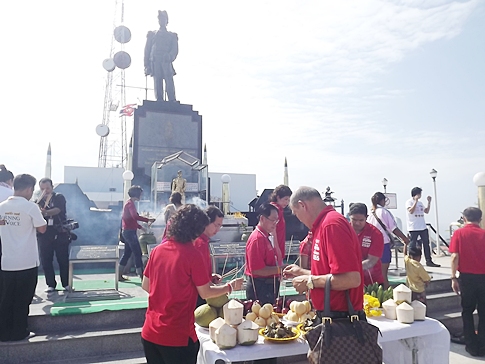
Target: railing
{"points": [[434, 230]]}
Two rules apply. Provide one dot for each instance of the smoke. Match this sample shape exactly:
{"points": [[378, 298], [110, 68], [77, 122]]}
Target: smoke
{"points": [[198, 202]]}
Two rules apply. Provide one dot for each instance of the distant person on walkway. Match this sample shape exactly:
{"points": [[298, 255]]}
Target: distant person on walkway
{"points": [[280, 198], [382, 219], [19, 221], [173, 277], [129, 224], [56, 239], [416, 276], [417, 225], [371, 244], [264, 261], [216, 218], [468, 251]]}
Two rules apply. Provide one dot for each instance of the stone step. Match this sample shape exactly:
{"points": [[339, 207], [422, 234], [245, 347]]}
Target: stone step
{"points": [[136, 357], [438, 302], [72, 345], [452, 320], [46, 324], [439, 285]]}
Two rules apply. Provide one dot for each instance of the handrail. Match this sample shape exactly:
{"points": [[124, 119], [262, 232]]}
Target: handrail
{"points": [[434, 230]]}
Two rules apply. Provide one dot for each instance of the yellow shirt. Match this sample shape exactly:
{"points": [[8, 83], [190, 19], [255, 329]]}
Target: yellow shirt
{"points": [[416, 275]]}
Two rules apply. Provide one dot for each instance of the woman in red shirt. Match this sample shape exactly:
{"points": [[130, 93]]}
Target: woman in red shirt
{"points": [[129, 225], [280, 198], [173, 277]]}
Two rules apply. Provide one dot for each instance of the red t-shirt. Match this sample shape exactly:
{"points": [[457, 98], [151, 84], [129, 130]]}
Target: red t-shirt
{"points": [[260, 253], [372, 243], [306, 245], [130, 217], [469, 243], [174, 271], [281, 229], [335, 250], [202, 245]]}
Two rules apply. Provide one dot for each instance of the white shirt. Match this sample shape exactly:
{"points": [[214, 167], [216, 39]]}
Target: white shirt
{"points": [[416, 219], [5, 193], [387, 219], [19, 219]]}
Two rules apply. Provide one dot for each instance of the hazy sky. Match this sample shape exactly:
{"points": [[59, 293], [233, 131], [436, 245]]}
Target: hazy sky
{"points": [[350, 91]]}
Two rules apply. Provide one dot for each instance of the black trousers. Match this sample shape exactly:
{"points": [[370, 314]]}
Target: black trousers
{"points": [[159, 354], [264, 289], [49, 243], [472, 288], [17, 293], [424, 242]]}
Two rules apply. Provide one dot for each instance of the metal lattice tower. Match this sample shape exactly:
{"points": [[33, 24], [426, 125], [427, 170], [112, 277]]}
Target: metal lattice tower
{"points": [[113, 146]]}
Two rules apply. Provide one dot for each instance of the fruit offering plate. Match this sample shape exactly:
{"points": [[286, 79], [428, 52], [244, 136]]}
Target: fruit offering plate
{"points": [[281, 340]]}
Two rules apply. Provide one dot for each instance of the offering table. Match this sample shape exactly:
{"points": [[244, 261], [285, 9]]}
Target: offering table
{"points": [[421, 342]]}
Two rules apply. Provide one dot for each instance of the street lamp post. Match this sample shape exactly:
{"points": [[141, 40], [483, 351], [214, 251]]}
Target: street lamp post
{"points": [[479, 180], [384, 184], [433, 175]]}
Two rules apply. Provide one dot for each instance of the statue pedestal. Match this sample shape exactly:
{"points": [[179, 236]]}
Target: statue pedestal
{"points": [[163, 128]]}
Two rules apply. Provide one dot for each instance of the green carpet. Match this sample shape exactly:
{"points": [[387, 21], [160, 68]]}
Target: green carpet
{"points": [[80, 308]]}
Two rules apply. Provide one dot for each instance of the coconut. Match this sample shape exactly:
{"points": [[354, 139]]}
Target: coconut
{"points": [[269, 307], [419, 310], [389, 308], [401, 293], [292, 305], [233, 312], [247, 333], [204, 315], [292, 316], [218, 302], [226, 336], [308, 306], [405, 313], [213, 326]]}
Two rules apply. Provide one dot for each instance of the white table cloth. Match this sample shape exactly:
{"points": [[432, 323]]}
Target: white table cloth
{"points": [[421, 342]]}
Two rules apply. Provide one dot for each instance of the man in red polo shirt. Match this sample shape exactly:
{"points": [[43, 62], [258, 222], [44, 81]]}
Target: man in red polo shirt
{"points": [[371, 243], [335, 258], [263, 258], [468, 249], [216, 218]]}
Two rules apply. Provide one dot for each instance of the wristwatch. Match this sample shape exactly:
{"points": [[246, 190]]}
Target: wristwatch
{"points": [[309, 283]]}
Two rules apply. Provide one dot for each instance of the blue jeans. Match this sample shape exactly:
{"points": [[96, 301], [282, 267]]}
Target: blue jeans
{"points": [[131, 246]]}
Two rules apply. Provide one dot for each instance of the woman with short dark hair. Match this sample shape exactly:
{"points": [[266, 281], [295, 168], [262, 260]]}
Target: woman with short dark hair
{"points": [[280, 198], [173, 277]]}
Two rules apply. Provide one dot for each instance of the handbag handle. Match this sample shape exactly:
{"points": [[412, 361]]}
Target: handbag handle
{"points": [[383, 226], [327, 311]]}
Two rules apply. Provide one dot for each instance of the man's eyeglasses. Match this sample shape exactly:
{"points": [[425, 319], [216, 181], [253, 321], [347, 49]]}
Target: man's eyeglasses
{"points": [[273, 221]]}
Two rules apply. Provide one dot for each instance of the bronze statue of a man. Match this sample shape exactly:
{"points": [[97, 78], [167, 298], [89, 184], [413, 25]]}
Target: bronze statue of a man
{"points": [[161, 49]]}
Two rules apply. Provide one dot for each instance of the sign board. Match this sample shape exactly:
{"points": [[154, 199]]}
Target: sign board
{"points": [[391, 200], [228, 248], [164, 187]]}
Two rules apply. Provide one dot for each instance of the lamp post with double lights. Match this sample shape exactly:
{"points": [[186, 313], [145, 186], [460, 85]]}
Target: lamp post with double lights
{"points": [[384, 184], [433, 175]]}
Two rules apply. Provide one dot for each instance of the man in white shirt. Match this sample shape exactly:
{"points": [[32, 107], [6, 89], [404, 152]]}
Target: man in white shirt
{"points": [[416, 224], [19, 221]]}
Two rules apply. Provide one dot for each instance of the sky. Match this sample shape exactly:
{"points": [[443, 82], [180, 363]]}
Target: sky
{"points": [[349, 92]]}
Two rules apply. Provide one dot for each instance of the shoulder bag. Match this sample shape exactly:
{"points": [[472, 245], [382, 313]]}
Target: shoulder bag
{"points": [[343, 340], [391, 239]]}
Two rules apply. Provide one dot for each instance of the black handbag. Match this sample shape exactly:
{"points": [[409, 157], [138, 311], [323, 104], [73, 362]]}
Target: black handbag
{"points": [[343, 340]]}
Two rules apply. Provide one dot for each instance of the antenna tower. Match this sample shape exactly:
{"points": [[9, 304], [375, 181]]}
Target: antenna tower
{"points": [[112, 131]]}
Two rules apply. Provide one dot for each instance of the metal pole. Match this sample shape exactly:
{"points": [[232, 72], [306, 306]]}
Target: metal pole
{"points": [[438, 250]]}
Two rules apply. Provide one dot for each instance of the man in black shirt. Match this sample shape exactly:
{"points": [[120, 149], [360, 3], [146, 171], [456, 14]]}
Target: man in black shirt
{"points": [[55, 239]]}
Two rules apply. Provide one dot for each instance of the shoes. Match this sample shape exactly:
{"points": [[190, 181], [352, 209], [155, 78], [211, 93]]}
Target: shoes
{"points": [[432, 264], [122, 279], [67, 288], [472, 351], [49, 289], [29, 336]]}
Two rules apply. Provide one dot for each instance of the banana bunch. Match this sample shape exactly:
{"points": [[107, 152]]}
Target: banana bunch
{"points": [[376, 290]]}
